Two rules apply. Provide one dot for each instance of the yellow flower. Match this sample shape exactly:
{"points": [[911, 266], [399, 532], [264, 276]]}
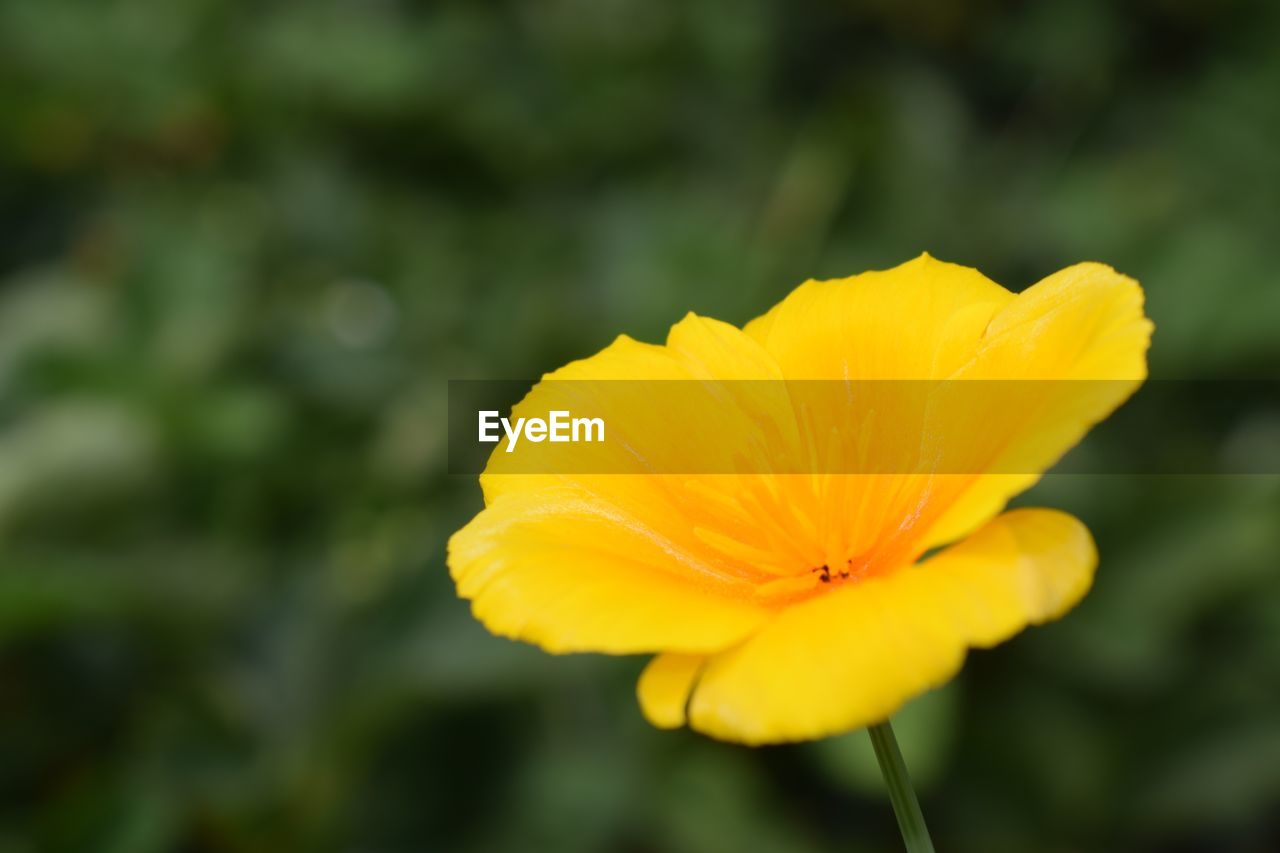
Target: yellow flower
{"points": [[786, 606]]}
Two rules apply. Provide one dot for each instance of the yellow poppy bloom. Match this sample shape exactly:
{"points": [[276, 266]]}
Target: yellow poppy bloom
{"points": [[786, 606]]}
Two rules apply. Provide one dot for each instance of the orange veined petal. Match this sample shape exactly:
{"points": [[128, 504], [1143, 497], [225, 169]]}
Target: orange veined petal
{"points": [[569, 571], [852, 657], [616, 562], [1071, 348], [1013, 381]]}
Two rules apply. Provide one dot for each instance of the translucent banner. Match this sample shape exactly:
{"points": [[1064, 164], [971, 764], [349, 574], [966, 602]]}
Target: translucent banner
{"points": [[863, 427]]}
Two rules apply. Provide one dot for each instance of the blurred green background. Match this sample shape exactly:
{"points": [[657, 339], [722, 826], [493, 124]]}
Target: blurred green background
{"points": [[242, 247]]}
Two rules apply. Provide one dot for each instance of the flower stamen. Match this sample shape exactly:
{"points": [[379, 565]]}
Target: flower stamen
{"points": [[824, 573]]}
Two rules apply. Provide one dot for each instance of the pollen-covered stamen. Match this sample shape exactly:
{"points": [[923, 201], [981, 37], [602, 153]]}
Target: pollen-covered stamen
{"points": [[826, 575]]}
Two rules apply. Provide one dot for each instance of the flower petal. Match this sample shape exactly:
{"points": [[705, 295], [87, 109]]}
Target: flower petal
{"points": [[920, 320], [664, 688], [613, 562], [563, 569], [1076, 345], [697, 348], [1084, 322], [853, 656]]}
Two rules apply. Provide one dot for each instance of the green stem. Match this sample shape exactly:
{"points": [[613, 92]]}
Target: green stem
{"points": [[905, 805]]}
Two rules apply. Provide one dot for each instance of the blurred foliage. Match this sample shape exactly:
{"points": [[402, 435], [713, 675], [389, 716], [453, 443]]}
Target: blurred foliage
{"points": [[242, 248]]}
